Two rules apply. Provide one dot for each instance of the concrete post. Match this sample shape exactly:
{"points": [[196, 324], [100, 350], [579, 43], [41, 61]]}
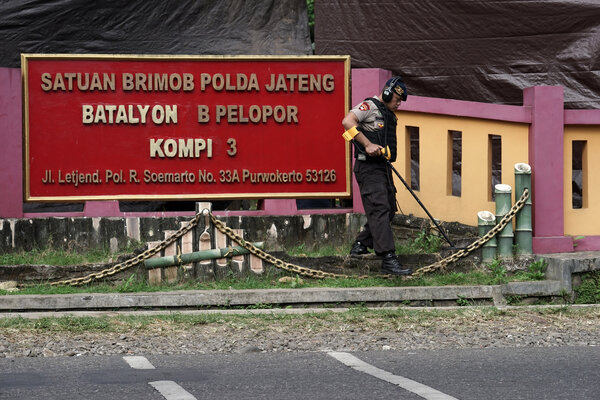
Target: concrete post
{"points": [[503, 205], [523, 227], [546, 157]]}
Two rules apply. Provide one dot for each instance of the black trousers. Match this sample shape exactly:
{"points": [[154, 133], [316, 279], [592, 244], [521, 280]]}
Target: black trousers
{"points": [[378, 196]]}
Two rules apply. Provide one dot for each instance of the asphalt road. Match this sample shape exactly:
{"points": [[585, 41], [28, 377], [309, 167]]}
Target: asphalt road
{"points": [[472, 374]]}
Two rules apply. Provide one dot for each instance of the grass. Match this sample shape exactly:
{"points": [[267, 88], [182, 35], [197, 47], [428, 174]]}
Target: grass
{"points": [[63, 257], [134, 284], [388, 320], [168, 322], [423, 243], [323, 251], [493, 273], [53, 257]]}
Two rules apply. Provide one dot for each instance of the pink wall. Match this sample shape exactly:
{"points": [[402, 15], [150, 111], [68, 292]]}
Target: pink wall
{"points": [[542, 108], [11, 150]]}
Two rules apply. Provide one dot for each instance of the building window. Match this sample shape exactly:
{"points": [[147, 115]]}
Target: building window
{"points": [[455, 158], [578, 174], [495, 163], [413, 156]]}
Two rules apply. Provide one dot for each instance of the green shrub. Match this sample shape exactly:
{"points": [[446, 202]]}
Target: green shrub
{"points": [[499, 272], [589, 290], [424, 243], [536, 271]]}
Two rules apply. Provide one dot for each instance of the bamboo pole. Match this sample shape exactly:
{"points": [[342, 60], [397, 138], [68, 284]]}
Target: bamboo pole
{"points": [[485, 222], [503, 205], [523, 226], [169, 261]]}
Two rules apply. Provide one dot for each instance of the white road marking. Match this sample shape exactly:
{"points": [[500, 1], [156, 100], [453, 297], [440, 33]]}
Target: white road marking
{"points": [[171, 391], [138, 362], [415, 387]]}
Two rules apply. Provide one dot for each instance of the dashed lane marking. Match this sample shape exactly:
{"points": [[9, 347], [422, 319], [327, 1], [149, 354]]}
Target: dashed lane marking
{"points": [[169, 389], [138, 362], [172, 391], [415, 387]]}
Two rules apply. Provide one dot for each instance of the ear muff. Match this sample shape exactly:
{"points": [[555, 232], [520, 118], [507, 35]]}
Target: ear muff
{"points": [[388, 92]]}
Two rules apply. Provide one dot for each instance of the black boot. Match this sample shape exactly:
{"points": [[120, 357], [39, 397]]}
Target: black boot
{"points": [[391, 265], [358, 249]]}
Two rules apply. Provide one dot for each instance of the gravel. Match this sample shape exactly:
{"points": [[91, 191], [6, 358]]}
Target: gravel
{"points": [[351, 331]]}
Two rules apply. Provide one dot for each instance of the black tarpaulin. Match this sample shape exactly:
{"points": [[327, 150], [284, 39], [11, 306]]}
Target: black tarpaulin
{"points": [[478, 50], [231, 27]]}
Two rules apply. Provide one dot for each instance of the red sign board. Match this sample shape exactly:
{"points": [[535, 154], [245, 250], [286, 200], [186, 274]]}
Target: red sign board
{"points": [[183, 127]]}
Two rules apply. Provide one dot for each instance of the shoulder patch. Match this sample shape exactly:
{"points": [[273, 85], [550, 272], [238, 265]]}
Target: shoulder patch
{"points": [[364, 106]]}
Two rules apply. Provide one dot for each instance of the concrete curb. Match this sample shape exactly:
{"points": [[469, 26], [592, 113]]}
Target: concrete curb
{"points": [[565, 267], [304, 297], [273, 311]]}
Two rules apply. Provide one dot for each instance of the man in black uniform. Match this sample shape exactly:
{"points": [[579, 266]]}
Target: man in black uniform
{"points": [[371, 125]]}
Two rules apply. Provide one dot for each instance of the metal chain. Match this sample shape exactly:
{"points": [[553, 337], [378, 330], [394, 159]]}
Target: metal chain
{"points": [[132, 261], [297, 269], [480, 242], [313, 273]]}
